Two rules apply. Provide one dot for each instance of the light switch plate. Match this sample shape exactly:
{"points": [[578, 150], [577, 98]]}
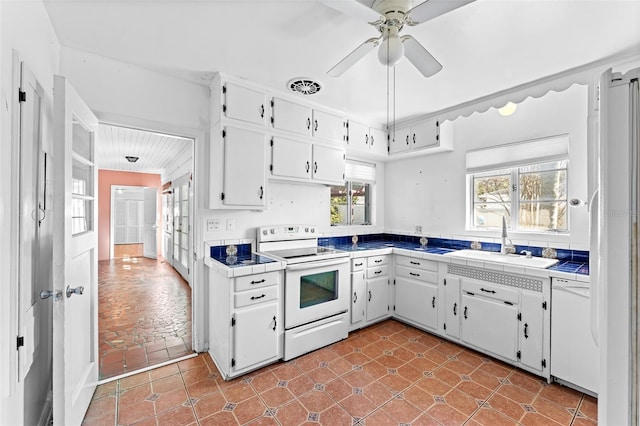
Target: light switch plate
{"points": [[231, 225]]}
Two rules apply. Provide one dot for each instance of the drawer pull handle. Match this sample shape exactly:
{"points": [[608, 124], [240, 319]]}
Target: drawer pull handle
{"points": [[433, 302], [308, 123], [465, 312], [378, 272], [455, 309], [378, 260], [258, 297], [526, 334], [414, 274], [358, 264], [262, 111], [274, 323], [355, 297], [414, 263], [369, 295], [488, 291], [258, 282]]}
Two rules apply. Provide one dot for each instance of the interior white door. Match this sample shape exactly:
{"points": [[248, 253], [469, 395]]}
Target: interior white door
{"points": [[75, 314], [150, 227]]}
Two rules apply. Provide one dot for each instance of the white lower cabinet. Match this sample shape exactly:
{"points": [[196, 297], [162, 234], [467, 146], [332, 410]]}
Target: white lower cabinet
{"points": [[491, 325], [531, 332], [358, 293], [255, 335], [377, 298], [416, 291], [452, 306], [245, 321]]}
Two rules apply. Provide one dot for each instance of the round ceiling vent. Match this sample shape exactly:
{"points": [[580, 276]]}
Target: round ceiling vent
{"points": [[304, 86]]}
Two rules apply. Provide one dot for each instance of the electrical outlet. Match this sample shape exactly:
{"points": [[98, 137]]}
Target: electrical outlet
{"points": [[418, 229], [231, 225], [213, 225]]}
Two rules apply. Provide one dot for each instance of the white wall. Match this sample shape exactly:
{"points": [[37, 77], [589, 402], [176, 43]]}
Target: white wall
{"points": [[25, 27], [430, 191]]}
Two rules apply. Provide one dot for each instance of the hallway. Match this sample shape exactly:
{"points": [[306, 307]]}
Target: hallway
{"points": [[144, 314]]}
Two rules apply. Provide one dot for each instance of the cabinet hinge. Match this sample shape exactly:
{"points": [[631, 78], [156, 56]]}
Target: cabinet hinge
{"points": [[222, 196], [224, 134], [22, 96], [445, 325], [233, 362], [233, 321], [387, 308], [394, 308], [437, 124], [224, 89], [272, 120], [270, 167], [518, 355], [394, 281], [519, 316], [437, 137], [445, 281], [544, 363], [20, 342], [544, 305], [271, 143], [272, 104], [224, 108]]}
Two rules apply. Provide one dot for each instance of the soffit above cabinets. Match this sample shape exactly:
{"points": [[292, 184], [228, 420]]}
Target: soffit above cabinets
{"points": [[156, 152], [485, 47]]}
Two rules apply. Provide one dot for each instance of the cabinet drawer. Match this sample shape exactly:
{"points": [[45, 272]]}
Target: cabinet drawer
{"points": [[417, 274], [376, 261], [255, 281], [252, 297], [378, 271], [427, 265], [482, 288], [358, 264]]}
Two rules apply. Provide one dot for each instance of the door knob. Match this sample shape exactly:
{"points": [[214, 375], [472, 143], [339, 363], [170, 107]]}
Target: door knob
{"points": [[71, 291], [45, 294]]}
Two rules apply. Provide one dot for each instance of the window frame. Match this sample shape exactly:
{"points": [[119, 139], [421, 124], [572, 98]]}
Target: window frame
{"points": [[515, 201], [368, 207]]}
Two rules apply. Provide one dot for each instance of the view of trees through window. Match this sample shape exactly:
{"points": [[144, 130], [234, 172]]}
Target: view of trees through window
{"points": [[538, 193], [350, 204]]}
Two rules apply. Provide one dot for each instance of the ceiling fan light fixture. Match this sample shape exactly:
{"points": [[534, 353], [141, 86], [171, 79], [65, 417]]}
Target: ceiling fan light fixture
{"points": [[391, 49], [508, 109]]}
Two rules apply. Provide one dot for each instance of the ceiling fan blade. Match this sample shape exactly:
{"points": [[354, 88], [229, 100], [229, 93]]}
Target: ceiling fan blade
{"points": [[353, 57], [433, 8], [353, 8], [420, 57]]}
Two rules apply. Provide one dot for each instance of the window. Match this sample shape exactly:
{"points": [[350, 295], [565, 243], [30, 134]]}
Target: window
{"points": [[351, 203], [537, 193]]}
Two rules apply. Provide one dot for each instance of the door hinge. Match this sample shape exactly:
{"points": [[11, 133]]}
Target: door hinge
{"points": [[233, 321], [233, 362], [20, 342], [224, 134], [394, 308], [222, 196], [518, 355], [445, 325], [519, 316], [544, 305], [22, 96], [544, 363]]}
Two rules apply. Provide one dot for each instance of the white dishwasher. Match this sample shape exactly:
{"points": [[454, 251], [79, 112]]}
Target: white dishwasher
{"points": [[574, 354]]}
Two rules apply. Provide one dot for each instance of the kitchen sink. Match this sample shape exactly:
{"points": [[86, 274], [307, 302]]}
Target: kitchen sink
{"points": [[508, 259]]}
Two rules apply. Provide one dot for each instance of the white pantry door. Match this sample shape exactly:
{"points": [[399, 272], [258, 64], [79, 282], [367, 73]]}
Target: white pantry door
{"points": [[150, 231], [75, 265]]}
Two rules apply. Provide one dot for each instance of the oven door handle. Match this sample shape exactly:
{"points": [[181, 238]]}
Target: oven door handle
{"points": [[320, 264]]}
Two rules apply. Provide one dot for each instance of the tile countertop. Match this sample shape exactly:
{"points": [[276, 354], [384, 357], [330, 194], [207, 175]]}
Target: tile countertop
{"points": [[252, 263]]}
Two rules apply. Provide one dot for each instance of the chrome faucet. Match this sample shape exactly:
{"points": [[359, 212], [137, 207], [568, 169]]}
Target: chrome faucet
{"points": [[506, 248]]}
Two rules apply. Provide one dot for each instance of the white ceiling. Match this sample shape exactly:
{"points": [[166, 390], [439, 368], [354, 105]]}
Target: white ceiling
{"points": [[485, 47], [156, 152]]}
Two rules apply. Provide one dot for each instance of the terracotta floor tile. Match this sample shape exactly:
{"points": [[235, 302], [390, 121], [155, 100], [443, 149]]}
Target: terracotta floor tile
{"points": [[447, 415], [221, 418], [583, 421], [508, 407], [537, 419], [100, 406], [358, 405], [338, 389], [516, 394], [300, 385], [434, 386], [238, 392], [249, 409], [378, 393], [561, 395], [552, 410], [202, 388], [489, 416], [335, 415], [130, 414], [167, 384], [589, 407], [322, 375], [178, 416], [379, 418], [293, 413], [316, 401], [107, 389], [395, 382], [277, 397], [264, 381], [462, 402], [426, 420], [527, 381], [474, 389], [209, 404], [401, 411]]}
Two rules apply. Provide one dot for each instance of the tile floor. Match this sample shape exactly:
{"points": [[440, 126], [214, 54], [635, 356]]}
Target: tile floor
{"points": [[144, 314], [387, 374]]}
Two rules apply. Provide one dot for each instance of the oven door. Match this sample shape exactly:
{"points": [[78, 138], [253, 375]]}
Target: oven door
{"points": [[316, 290]]}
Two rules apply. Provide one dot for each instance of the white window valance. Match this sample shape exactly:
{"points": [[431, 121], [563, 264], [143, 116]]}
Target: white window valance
{"points": [[359, 171], [553, 148]]}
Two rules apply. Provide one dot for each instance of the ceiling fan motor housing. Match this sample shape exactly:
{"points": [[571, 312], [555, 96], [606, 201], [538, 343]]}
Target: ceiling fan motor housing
{"points": [[392, 8]]}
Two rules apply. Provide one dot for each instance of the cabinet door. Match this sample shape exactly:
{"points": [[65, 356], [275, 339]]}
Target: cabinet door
{"points": [[399, 141], [255, 335], [244, 177], [377, 298], [452, 306], [424, 134], [416, 301], [328, 164], [358, 135], [378, 141], [241, 103], [328, 127], [291, 117], [531, 329], [291, 158], [490, 325], [358, 299]]}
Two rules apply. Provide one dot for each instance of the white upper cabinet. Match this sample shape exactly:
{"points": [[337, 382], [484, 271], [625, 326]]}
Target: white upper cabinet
{"points": [[291, 117], [329, 127], [244, 104], [399, 139], [291, 159], [362, 139], [244, 177], [378, 141], [328, 164], [424, 136]]}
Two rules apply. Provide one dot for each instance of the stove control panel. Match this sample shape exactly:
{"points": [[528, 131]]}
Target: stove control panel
{"points": [[286, 232]]}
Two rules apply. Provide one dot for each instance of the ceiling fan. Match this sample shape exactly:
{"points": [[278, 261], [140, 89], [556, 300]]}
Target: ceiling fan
{"points": [[389, 17]]}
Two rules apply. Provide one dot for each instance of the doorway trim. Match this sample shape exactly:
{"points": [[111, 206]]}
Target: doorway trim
{"points": [[199, 311]]}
